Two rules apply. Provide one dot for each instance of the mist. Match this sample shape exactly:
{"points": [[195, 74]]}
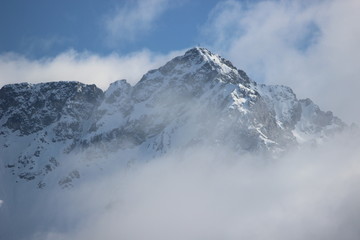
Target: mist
{"points": [[207, 193]]}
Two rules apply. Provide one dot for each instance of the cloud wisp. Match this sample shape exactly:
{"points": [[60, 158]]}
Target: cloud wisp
{"points": [[311, 46], [133, 20]]}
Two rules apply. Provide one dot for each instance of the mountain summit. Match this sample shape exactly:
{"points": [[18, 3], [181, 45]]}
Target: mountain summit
{"points": [[198, 99]]}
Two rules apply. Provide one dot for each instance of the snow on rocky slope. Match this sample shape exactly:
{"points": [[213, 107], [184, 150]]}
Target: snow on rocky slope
{"points": [[198, 99]]}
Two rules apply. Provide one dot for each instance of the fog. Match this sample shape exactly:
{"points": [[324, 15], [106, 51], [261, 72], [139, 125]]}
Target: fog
{"points": [[312, 193]]}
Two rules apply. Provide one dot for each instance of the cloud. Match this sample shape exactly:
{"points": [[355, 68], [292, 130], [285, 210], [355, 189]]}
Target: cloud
{"points": [[134, 19], [85, 67], [213, 194], [311, 46], [39, 45], [1, 202]]}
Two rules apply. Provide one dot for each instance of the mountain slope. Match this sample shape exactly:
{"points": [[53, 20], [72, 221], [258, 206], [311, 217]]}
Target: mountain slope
{"points": [[198, 99]]}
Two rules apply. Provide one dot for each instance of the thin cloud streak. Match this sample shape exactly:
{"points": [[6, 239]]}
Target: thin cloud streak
{"points": [[133, 20]]}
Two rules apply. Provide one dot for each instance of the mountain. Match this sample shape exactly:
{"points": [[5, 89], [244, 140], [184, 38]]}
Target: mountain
{"points": [[51, 134]]}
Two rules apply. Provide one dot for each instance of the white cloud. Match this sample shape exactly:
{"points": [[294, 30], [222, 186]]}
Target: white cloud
{"points": [[311, 46], [213, 194], [83, 67], [134, 19]]}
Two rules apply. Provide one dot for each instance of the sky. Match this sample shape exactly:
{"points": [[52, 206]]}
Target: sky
{"points": [[44, 28], [309, 45]]}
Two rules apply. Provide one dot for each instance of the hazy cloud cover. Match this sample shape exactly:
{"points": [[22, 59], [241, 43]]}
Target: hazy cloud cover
{"points": [[311, 46]]}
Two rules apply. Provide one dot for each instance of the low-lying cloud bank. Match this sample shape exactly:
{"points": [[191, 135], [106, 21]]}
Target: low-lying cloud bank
{"points": [[84, 67], [214, 194]]}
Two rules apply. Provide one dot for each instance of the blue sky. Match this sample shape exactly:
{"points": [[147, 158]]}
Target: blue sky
{"points": [[310, 45], [47, 27]]}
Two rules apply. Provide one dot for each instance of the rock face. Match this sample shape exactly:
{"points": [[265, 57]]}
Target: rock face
{"points": [[39, 121], [194, 100], [30, 108]]}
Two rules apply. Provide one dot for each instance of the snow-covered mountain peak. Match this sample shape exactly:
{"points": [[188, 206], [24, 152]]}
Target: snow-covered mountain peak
{"points": [[198, 98], [204, 55], [191, 74], [199, 56]]}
